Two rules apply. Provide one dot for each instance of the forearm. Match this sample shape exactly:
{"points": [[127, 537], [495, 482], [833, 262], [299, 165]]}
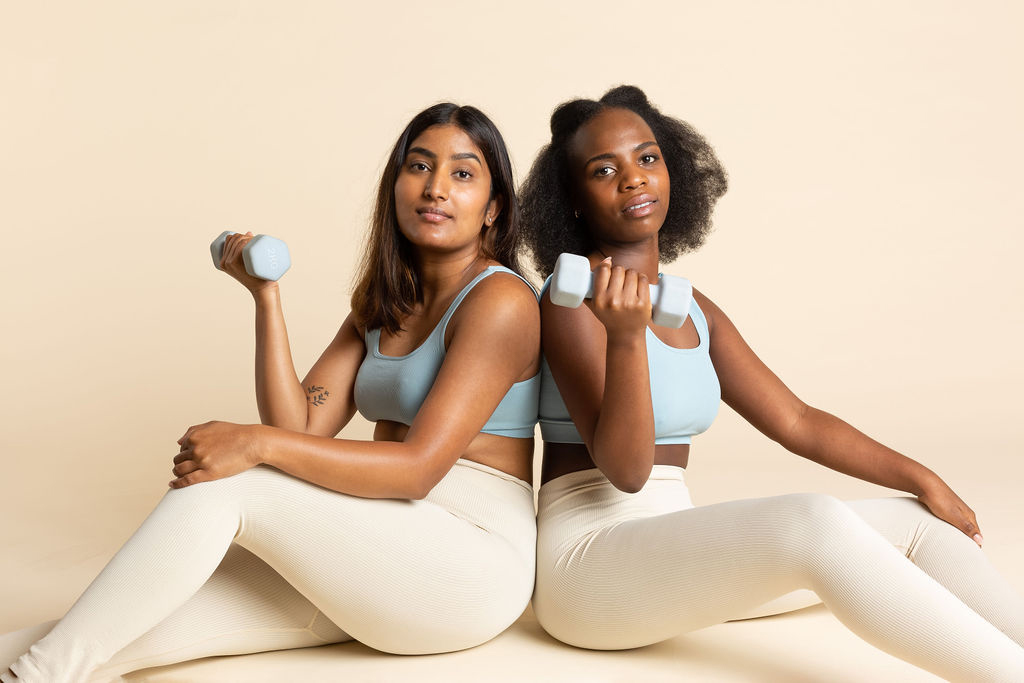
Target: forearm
{"points": [[279, 395], [623, 442], [369, 469], [829, 441]]}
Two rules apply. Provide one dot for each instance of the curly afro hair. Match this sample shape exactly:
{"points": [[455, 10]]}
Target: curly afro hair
{"points": [[697, 181]]}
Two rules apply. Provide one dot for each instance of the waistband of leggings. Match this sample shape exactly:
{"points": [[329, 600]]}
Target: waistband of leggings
{"points": [[471, 464], [593, 476]]}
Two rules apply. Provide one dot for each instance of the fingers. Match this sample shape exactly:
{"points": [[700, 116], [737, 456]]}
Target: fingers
{"points": [[617, 287], [196, 477], [970, 527], [232, 251], [185, 467], [602, 274], [187, 436], [643, 288]]}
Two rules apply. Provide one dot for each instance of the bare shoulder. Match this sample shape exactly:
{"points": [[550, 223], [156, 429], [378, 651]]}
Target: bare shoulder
{"points": [[501, 309], [711, 310], [350, 330], [502, 298]]}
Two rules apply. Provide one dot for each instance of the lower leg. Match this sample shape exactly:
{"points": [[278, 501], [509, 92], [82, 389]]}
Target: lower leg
{"points": [[948, 556], [160, 567], [244, 607]]}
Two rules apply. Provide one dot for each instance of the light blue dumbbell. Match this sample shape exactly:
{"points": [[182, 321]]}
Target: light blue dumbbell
{"points": [[573, 281], [264, 256]]}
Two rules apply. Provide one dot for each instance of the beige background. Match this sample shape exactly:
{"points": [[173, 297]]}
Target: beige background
{"points": [[868, 247]]}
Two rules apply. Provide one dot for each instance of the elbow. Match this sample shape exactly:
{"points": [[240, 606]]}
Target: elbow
{"points": [[632, 479], [628, 485], [418, 490], [791, 437], [422, 475], [627, 474]]}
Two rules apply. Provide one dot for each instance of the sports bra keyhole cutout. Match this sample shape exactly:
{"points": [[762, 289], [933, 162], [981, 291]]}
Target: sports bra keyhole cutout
{"points": [[686, 338]]}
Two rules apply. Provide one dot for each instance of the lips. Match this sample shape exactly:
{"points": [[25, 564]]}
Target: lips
{"points": [[433, 213], [640, 205]]}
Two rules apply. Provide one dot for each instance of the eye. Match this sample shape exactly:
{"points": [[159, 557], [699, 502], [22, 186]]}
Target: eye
{"points": [[463, 174], [603, 171], [418, 166], [648, 158]]}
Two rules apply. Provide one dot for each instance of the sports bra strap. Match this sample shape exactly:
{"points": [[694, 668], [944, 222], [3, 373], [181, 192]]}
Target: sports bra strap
{"points": [[443, 326]]}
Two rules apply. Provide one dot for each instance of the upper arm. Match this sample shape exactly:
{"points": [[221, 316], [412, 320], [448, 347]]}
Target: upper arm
{"points": [[329, 385], [748, 386], [574, 343], [494, 342]]}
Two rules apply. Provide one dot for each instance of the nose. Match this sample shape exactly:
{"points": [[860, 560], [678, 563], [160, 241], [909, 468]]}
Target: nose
{"points": [[436, 187], [632, 179]]}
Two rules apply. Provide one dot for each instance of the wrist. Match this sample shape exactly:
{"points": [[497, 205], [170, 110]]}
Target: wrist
{"points": [[926, 483], [627, 339], [266, 294], [262, 446]]}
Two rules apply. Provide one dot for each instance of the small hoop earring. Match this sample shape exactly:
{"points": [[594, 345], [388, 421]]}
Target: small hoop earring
{"points": [[576, 213]]}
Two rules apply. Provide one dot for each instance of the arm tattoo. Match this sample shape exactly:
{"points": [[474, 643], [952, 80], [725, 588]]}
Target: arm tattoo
{"points": [[317, 395]]}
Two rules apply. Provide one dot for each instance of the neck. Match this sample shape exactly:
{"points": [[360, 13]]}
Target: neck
{"points": [[640, 256], [442, 274]]}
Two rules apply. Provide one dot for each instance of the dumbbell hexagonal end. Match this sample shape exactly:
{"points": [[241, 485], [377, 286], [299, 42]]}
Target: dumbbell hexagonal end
{"points": [[570, 281], [673, 304], [217, 248], [266, 257]]}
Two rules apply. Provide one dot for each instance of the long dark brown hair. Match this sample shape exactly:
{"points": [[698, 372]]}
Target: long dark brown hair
{"points": [[388, 283]]}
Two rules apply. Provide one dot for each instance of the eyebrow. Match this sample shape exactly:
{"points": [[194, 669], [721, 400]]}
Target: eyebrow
{"points": [[455, 157], [609, 155]]}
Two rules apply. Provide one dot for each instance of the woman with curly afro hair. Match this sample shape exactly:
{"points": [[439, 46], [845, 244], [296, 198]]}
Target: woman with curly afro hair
{"points": [[624, 558]]}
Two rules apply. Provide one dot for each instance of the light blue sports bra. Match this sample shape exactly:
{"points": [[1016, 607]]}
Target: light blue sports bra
{"points": [[685, 392], [394, 387]]}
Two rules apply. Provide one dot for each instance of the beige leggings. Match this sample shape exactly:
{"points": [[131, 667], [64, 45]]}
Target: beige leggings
{"points": [[618, 570], [297, 565]]}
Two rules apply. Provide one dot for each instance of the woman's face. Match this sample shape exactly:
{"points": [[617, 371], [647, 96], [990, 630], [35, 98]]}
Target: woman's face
{"points": [[443, 191], [620, 179]]}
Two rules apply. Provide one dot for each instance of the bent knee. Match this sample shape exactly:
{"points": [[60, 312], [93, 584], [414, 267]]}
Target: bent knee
{"points": [[811, 522], [804, 509]]}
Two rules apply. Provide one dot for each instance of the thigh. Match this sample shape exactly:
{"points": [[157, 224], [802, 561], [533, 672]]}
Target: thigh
{"points": [[640, 581], [902, 521], [398, 575]]}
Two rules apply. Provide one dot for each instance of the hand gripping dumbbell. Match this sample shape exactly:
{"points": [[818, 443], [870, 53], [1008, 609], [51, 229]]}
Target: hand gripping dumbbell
{"points": [[264, 256], [572, 282]]}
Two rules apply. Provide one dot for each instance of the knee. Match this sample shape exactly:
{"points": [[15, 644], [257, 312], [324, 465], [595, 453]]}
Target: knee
{"points": [[812, 523], [809, 511], [228, 491]]}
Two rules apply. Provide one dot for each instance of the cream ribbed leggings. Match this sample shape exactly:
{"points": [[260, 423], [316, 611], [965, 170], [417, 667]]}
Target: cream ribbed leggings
{"points": [[618, 570], [298, 565]]}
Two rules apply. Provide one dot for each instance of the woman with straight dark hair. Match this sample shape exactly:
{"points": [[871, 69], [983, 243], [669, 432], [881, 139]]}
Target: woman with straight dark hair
{"points": [[624, 559], [278, 535]]}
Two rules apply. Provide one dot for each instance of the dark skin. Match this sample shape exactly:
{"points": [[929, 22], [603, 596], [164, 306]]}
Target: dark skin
{"points": [[598, 353]]}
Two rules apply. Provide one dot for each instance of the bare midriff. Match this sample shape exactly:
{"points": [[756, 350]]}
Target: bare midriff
{"points": [[510, 455], [563, 458]]}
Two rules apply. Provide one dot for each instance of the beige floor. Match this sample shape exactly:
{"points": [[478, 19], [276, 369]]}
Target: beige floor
{"points": [[805, 646], [47, 567]]}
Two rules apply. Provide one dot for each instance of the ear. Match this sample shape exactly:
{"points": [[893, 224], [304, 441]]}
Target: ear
{"points": [[494, 208]]}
